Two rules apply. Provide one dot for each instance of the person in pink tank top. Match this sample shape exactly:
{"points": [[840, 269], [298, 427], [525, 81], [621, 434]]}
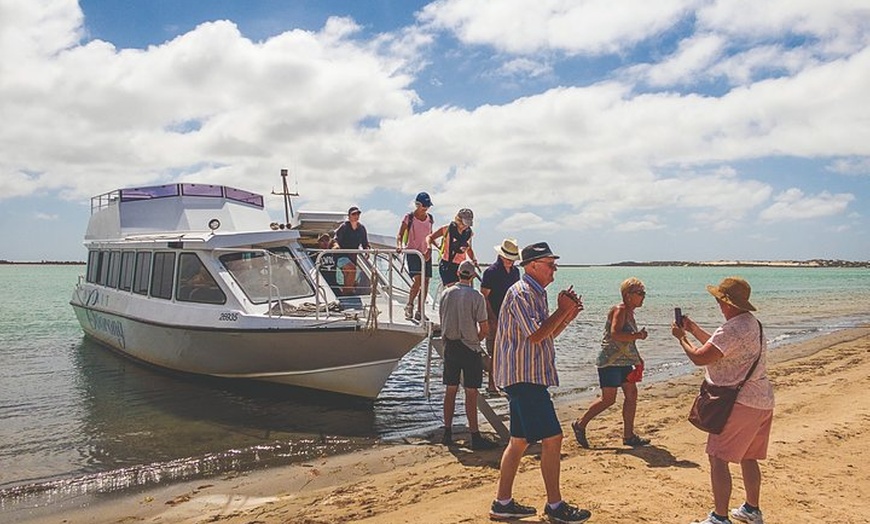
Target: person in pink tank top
{"points": [[416, 226]]}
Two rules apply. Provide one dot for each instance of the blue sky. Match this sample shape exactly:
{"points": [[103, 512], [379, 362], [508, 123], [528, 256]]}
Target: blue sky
{"points": [[629, 130]]}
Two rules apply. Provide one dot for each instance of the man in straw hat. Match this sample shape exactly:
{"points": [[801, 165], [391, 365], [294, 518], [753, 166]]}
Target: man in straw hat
{"points": [[525, 366], [736, 353], [497, 278]]}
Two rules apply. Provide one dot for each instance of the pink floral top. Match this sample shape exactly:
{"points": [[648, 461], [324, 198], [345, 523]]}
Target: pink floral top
{"points": [[738, 340]]}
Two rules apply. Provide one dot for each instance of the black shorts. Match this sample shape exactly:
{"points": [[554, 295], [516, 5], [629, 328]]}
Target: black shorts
{"points": [[458, 358], [413, 263], [448, 270]]}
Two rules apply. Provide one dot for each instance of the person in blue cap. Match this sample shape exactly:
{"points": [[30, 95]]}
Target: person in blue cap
{"points": [[416, 227]]}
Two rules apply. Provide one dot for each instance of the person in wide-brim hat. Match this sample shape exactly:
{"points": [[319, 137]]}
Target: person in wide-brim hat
{"points": [[508, 249], [498, 277], [734, 291], [733, 356]]}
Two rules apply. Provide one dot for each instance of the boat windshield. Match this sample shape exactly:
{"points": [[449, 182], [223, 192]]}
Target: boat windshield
{"points": [[258, 272]]}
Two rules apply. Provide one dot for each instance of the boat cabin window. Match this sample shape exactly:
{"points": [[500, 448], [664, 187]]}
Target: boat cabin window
{"points": [[128, 260], [103, 276], [195, 283], [114, 268], [263, 277], [161, 275], [93, 266], [142, 273]]}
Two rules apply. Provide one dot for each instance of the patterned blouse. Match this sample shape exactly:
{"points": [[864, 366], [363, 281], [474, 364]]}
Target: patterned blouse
{"points": [[740, 341], [615, 353]]}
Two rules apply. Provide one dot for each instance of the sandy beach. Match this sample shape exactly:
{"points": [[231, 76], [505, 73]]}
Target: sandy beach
{"points": [[816, 469]]}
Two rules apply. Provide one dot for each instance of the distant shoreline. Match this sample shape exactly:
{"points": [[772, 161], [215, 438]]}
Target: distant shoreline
{"points": [[750, 263], [42, 263]]}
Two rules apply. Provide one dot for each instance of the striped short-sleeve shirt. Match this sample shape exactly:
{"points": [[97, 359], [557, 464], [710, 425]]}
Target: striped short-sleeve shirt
{"points": [[515, 359]]}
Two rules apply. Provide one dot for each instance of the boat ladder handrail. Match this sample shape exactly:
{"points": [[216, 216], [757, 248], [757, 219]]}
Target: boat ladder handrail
{"points": [[376, 275]]}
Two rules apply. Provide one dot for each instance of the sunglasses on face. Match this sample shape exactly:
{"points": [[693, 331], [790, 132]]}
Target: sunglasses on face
{"points": [[355, 213], [551, 265], [640, 293]]}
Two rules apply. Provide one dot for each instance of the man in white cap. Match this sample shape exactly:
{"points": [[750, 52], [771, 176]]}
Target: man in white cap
{"points": [[496, 280], [463, 326]]}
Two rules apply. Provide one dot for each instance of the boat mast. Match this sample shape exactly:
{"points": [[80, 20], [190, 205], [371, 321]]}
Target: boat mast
{"points": [[288, 204]]}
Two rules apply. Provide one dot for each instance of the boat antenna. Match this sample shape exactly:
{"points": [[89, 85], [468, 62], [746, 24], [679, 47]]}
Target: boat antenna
{"points": [[288, 204]]}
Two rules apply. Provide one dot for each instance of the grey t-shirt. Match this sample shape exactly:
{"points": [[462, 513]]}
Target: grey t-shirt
{"points": [[462, 308]]}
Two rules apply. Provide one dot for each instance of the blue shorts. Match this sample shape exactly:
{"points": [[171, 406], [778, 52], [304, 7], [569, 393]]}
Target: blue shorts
{"points": [[613, 376], [413, 263], [533, 416]]}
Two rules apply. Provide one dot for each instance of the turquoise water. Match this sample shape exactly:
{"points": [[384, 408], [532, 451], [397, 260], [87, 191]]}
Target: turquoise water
{"points": [[76, 418]]}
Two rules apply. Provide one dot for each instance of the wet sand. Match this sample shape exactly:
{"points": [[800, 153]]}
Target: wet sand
{"points": [[816, 468]]}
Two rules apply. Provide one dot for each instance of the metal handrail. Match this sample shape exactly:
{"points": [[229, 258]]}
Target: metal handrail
{"points": [[374, 272]]}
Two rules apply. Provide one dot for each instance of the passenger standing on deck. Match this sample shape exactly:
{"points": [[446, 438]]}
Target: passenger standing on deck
{"points": [[498, 277], [463, 326], [455, 245], [416, 227], [351, 234], [525, 366]]}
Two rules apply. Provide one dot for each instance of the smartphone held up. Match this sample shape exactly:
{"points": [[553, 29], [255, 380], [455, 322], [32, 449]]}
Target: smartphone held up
{"points": [[678, 317]]}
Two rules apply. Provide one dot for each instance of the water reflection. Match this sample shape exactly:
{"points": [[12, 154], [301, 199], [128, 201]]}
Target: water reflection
{"points": [[134, 414], [135, 426]]}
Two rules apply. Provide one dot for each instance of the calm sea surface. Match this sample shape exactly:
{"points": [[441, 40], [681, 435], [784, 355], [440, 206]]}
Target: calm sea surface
{"points": [[77, 419]]}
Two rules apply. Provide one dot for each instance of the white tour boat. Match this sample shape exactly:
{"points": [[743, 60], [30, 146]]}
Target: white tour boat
{"points": [[197, 278]]}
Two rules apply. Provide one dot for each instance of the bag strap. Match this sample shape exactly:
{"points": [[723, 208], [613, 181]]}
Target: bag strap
{"points": [[760, 351]]}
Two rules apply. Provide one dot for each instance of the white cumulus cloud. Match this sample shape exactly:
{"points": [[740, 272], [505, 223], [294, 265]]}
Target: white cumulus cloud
{"points": [[794, 205]]}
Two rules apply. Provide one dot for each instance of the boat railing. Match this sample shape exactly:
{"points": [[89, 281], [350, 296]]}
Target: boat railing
{"points": [[110, 198], [383, 282], [105, 200], [380, 279]]}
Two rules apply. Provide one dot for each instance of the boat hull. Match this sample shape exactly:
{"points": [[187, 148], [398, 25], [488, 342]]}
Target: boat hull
{"points": [[339, 357]]}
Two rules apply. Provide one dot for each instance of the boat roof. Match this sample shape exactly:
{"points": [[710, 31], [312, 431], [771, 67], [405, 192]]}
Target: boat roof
{"points": [[201, 216], [175, 209]]}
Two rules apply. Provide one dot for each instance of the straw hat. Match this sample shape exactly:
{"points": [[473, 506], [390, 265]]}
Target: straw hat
{"points": [[508, 249], [734, 291]]}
